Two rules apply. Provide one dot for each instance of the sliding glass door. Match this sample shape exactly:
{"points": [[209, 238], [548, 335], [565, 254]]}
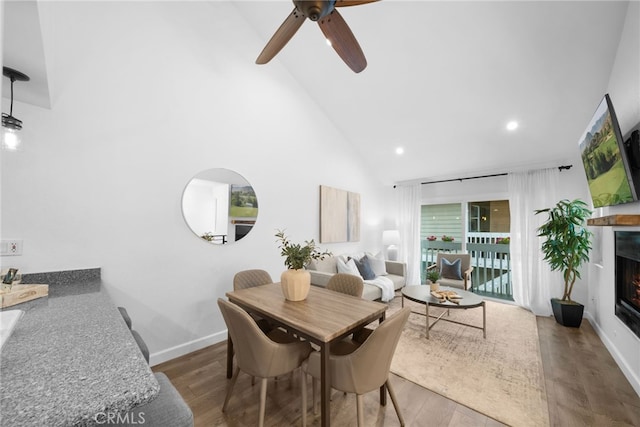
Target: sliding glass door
{"points": [[480, 228]]}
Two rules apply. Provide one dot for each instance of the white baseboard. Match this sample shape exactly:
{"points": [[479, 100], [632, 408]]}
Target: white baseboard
{"points": [[629, 373], [186, 348]]}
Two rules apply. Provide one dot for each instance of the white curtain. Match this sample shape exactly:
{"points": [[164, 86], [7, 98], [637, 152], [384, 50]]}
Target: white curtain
{"points": [[533, 282], [408, 198]]}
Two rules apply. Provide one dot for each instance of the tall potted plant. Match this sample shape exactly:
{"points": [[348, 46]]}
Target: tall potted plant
{"points": [[566, 246], [296, 281]]}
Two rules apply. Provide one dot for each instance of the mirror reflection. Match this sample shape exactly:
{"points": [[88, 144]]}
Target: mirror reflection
{"points": [[219, 206]]}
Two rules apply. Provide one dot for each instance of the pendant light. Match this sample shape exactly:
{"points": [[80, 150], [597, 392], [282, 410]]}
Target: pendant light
{"points": [[11, 126]]}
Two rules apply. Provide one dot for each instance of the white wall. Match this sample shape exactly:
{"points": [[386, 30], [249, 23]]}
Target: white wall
{"points": [[146, 95], [624, 89]]}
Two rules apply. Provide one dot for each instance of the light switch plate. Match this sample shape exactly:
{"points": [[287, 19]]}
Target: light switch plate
{"points": [[9, 247]]}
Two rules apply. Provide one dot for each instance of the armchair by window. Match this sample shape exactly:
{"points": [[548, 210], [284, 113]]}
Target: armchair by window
{"points": [[455, 270]]}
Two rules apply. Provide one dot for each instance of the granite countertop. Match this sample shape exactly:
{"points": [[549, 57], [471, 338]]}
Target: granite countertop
{"points": [[71, 358]]}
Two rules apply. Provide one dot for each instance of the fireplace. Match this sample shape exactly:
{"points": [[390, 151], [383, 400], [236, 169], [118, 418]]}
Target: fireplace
{"points": [[242, 230], [628, 279]]}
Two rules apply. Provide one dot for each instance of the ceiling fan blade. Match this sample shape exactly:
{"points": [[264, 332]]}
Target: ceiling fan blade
{"points": [[345, 3], [282, 35], [343, 41]]}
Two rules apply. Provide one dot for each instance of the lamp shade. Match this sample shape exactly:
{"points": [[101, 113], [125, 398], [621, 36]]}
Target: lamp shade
{"points": [[390, 237], [10, 139]]}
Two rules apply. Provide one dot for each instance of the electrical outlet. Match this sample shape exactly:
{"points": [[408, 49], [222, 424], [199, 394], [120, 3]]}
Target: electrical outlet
{"points": [[10, 247]]}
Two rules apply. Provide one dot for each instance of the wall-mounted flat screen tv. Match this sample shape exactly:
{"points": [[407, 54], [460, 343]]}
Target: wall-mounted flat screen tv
{"points": [[605, 159]]}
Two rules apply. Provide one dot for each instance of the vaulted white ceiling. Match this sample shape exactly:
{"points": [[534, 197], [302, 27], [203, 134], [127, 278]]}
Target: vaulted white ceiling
{"points": [[25, 53], [442, 81]]}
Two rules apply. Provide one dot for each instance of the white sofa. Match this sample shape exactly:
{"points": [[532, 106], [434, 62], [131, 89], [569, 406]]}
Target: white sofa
{"points": [[321, 272]]}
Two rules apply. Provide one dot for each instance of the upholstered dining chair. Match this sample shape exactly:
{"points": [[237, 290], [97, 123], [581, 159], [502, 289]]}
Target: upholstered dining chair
{"points": [[261, 355], [363, 370], [248, 279], [347, 284], [454, 273], [351, 285]]}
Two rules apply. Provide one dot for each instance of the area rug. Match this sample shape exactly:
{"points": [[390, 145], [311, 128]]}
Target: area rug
{"points": [[500, 376]]}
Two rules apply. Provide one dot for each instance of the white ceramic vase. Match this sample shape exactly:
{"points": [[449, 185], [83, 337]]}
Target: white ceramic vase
{"points": [[295, 284]]}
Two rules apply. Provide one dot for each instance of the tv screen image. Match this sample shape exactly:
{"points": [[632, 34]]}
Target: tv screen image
{"points": [[605, 161]]}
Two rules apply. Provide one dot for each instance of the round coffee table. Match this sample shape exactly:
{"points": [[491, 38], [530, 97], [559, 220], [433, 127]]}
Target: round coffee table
{"points": [[422, 294]]}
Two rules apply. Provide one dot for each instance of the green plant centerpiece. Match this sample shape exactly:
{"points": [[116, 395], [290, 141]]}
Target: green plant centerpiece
{"points": [[295, 281], [433, 275], [297, 256], [566, 247]]}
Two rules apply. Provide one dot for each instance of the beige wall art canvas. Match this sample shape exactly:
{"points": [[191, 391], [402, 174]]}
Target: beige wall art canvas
{"points": [[339, 215]]}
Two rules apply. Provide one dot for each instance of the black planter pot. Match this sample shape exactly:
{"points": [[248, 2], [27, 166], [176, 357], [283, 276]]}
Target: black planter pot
{"points": [[567, 313]]}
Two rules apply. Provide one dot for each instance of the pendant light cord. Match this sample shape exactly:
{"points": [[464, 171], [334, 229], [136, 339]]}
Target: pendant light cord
{"points": [[11, 107]]}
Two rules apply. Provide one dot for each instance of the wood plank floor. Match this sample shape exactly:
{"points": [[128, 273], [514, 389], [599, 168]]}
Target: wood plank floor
{"points": [[584, 388]]}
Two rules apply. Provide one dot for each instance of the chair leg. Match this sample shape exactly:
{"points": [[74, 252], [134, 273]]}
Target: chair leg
{"points": [[360, 409], [263, 401], [303, 378], [314, 386], [233, 383], [395, 402]]}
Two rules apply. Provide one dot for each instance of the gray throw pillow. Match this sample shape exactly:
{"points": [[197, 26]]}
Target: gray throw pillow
{"points": [[451, 270], [364, 268]]}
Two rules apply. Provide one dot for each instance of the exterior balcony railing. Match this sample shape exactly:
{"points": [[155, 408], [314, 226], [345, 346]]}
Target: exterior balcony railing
{"points": [[491, 263]]}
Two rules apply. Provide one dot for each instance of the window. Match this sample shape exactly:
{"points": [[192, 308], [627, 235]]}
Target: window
{"points": [[489, 217], [480, 228]]}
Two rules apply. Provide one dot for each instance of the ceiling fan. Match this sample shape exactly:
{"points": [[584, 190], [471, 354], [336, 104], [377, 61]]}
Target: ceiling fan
{"points": [[331, 23]]}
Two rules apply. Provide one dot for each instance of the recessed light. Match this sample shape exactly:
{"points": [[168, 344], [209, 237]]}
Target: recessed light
{"points": [[399, 151], [512, 125]]}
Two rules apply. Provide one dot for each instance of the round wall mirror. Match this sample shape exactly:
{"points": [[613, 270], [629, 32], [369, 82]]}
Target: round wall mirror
{"points": [[219, 206]]}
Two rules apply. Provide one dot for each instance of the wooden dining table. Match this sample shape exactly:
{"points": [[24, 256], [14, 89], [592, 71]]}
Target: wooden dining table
{"points": [[322, 318]]}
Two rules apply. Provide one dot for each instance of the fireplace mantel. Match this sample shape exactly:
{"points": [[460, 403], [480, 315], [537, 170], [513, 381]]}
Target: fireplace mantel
{"points": [[615, 220]]}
